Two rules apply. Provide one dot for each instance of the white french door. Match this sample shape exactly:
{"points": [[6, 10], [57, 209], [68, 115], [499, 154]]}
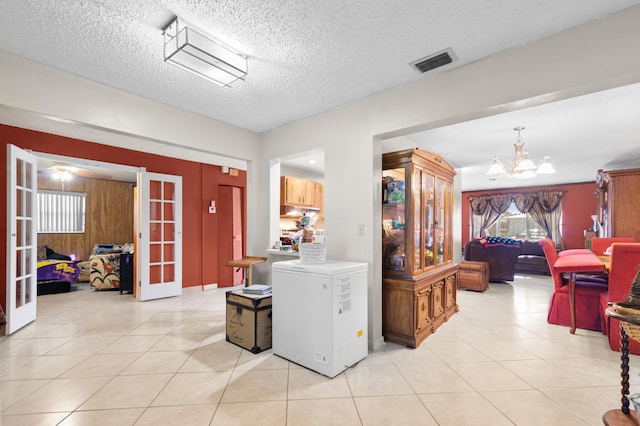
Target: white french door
{"points": [[22, 189], [159, 245]]}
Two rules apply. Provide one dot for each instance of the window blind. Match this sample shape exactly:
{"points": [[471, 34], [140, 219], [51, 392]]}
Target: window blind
{"points": [[61, 212]]}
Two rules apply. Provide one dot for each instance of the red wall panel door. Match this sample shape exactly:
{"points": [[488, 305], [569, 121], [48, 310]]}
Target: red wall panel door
{"points": [[230, 238]]}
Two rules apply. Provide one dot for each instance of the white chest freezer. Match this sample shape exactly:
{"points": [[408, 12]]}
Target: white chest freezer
{"points": [[320, 314]]}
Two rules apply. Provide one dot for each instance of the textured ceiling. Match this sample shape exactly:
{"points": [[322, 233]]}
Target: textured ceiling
{"points": [[307, 56], [304, 56]]}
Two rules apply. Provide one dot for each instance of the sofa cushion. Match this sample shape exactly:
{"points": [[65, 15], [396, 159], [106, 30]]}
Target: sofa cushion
{"points": [[531, 248]]}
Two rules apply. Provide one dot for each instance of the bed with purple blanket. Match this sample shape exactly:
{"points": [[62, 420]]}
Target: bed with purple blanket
{"points": [[56, 276]]}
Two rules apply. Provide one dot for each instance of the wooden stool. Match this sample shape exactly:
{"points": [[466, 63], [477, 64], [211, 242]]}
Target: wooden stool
{"points": [[473, 276], [247, 263]]}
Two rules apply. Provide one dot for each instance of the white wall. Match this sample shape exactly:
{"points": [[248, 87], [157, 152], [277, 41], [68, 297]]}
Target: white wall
{"points": [[558, 67]]}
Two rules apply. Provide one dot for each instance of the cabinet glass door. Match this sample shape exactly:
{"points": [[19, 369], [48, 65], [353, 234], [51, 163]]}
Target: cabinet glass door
{"points": [[416, 196], [448, 247], [429, 220], [440, 219], [393, 220]]}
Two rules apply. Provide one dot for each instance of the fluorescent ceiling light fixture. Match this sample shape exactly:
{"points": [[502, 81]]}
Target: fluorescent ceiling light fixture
{"points": [[189, 49], [522, 166]]}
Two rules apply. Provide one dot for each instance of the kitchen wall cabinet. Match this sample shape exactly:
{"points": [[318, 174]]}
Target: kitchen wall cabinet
{"points": [[618, 202], [419, 276], [301, 193]]}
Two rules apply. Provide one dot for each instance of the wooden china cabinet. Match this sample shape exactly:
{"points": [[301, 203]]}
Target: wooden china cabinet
{"points": [[418, 274], [618, 202]]}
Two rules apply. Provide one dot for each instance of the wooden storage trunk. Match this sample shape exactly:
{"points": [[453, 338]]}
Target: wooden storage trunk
{"points": [[249, 320], [473, 276]]}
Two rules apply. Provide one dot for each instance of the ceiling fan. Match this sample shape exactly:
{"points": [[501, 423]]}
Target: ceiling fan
{"points": [[64, 172]]}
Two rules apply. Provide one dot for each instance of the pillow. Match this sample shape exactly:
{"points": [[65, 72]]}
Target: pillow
{"points": [[103, 248], [42, 252]]}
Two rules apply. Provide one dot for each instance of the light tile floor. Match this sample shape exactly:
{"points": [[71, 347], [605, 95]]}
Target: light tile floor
{"points": [[100, 358]]}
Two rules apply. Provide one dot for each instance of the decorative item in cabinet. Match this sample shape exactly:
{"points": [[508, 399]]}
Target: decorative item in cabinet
{"points": [[419, 276]]}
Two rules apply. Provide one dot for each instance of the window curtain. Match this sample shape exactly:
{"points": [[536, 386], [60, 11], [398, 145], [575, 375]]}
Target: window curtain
{"points": [[544, 207], [485, 210]]}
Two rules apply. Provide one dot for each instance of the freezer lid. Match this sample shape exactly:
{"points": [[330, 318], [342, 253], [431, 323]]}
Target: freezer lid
{"points": [[330, 267]]}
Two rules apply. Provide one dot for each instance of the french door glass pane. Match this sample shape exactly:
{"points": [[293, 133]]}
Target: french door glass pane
{"points": [[155, 210], [169, 191], [168, 272], [155, 254], [155, 274], [168, 211], [169, 252]]}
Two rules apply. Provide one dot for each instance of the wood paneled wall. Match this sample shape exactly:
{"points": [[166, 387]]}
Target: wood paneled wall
{"points": [[109, 215]]}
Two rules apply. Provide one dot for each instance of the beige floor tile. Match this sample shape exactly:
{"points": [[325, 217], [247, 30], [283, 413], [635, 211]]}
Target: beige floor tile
{"points": [[433, 378], [265, 360], [83, 345], [462, 409], [190, 326], [594, 372], [322, 412], [393, 410], [45, 367], [456, 351], [191, 415], [532, 408], [135, 344], [259, 385], [8, 364], [193, 388], [400, 355], [502, 350], [102, 365], [543, 375], [489, 376], [123, 417], [222, 356], [498, 340], [59, 395], [546, 348], [377, 380], [15, 390], [307, 384], [151, 328], [587, 403], [265, 413], [178, 342], [46, 419], [157, 362], [35, 346], [127, 392], [379, 357]]}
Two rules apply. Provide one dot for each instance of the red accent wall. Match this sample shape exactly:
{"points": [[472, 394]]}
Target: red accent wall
{"points": [[578, 204], [199, 186]]}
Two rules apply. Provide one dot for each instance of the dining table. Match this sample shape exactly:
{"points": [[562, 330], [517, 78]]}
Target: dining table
{"points": [[574, 262]]}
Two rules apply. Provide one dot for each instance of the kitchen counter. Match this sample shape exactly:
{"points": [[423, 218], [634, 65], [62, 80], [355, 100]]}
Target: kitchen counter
{"points": [[283, 253]]}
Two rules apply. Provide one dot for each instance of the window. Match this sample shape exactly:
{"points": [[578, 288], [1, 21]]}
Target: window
{"points": [[61, 212], [514, 224]]}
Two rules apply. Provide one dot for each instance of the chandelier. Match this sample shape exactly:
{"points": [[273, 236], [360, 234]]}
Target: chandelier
{"points": [[522, 167]]}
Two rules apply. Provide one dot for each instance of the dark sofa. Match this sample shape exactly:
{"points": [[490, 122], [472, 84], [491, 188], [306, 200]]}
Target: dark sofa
{"points": [[531, 259], [501, 259]]}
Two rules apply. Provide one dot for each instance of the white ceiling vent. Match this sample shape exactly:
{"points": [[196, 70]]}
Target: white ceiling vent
{"points": [[434, 61]]}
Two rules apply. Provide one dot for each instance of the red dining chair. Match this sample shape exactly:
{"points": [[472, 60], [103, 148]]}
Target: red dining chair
{"points": [[599, 245], [625, 260], [587, 295]]}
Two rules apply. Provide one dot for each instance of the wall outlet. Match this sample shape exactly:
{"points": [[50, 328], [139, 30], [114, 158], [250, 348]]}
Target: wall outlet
{"points": [[361, 230]]}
